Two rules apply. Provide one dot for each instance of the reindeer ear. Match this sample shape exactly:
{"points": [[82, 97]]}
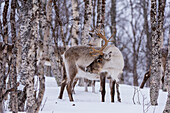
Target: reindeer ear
{"points": [[91, 35]]}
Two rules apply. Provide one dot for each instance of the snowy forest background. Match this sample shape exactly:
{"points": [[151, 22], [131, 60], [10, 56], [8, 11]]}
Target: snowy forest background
{"points": [[29, 27]]}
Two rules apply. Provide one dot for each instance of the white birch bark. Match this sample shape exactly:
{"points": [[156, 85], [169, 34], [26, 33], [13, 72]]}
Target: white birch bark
{"points": [[44, 57], [97, 41], [156, 63], [13, 104], [157, 29], [87, 21], [167, 80], [75, 30], [27, 53]]}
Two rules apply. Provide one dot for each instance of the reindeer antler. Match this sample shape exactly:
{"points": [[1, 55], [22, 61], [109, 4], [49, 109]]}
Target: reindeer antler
{"points": [[100, 52]]}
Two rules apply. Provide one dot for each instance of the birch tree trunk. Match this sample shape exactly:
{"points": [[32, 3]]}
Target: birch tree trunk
{"points": [[94, 12], [103, 13], [100, 25], [87, 21], [113, 19], [5, 40], [0, 21], [33, 53], [57, 68], [13, 79], [157, 30], [156, 63], [75, 30], [99, 13], [27, 53], [167, 80], [1, 71], [44, 57], [3, 57], [161, 10]]}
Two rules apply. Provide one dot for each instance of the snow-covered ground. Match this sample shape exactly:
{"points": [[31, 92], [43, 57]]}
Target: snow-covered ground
{"points": [[88, 102]]}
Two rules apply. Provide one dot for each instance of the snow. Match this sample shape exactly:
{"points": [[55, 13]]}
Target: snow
{"points": [[88, 102]]}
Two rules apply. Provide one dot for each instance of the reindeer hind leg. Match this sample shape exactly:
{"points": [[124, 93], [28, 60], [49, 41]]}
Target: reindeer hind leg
{"points": [[72, 74], [63, 84]]}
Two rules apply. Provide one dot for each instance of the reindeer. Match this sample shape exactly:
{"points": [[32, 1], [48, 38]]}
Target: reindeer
{"points": [[77, 58], [109, 65], [164, 53]]}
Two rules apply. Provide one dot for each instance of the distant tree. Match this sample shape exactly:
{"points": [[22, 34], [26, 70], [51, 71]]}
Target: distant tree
{"points": [[136, 42], [147, 31]]}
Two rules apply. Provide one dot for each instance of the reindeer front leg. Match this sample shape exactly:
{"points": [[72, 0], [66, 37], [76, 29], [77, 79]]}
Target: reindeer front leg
{"points": [[102, 85], [112, 89], [118, 93]]}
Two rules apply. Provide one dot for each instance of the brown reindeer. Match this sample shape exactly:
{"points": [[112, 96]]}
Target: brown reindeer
{"points": [[77, 58], [164, 52]]}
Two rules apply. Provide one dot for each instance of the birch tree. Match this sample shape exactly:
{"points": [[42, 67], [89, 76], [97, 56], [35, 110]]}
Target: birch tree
{"points": [[113, 19], [3, 57], [45, 20], [94, 12], [75, 30], [87, 21], [99, 13], [167, 80], [5, 41], [57, 70], [35, 69], [13, 79], [100, 22], [27, 53], [157, 29]]}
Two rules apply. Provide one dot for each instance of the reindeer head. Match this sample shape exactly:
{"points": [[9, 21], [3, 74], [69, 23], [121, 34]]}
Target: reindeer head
{"points": [[97, 65]]}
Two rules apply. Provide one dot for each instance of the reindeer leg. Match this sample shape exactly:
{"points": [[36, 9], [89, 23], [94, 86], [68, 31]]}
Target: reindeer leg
{"points": [[118, 93], [86, 85], [102, 85], [93, 86], [69, 90], [72, 73], [63, 84], [74, 84], [112, 89], [163, 84]]}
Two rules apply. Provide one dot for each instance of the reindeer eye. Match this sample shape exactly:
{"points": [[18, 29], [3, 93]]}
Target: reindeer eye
{"points": [[98, 60]]}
